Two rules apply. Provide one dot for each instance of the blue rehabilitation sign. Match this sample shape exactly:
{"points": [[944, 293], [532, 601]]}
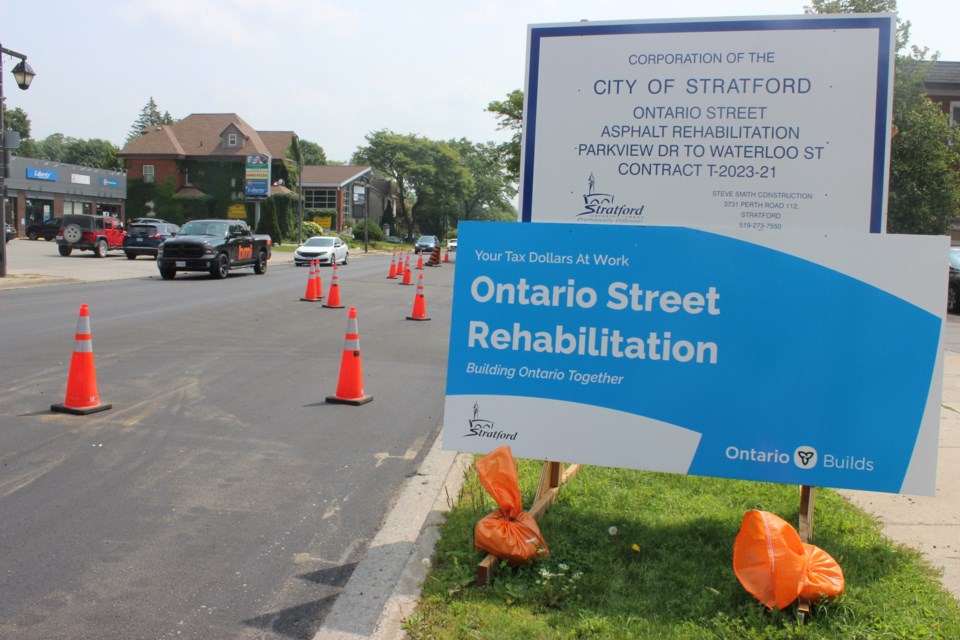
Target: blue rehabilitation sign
{"points": [[673, 349]]}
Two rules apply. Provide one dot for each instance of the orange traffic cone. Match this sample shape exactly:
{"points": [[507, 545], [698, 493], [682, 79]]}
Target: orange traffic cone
{"points": [[82, 397], [393, 267], [311, 294], [400, 265], [419, 303], [420, 261], [446, 256], [350, 384], [333, 297], [407, 273]]}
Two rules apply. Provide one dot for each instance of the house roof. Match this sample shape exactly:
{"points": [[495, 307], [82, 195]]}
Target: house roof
{"points": [[943, 73], [328, 175], [200, 134]]}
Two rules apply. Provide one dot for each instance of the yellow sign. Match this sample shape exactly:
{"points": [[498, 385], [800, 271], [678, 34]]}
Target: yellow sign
{"points": [[237, 212], [324, 221]]}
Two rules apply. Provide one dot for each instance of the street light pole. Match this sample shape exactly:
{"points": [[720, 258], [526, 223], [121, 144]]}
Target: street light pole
{"points": [[24, 75]]}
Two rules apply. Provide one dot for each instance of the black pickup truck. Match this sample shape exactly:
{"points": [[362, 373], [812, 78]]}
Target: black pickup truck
{"points": [[215, 246]]}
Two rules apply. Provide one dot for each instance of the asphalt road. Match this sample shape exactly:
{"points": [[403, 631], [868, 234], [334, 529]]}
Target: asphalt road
{"points": [[221, 497]]}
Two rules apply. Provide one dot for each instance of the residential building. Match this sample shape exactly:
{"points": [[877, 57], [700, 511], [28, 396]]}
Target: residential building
{"points": [[197, 166]]}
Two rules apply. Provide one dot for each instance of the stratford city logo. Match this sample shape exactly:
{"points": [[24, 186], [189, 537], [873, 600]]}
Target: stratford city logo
{"points": [[601, 207], [482, 428]]}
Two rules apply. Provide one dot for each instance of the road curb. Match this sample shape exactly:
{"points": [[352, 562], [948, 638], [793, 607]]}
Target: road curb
{"points": [[385, 586]]}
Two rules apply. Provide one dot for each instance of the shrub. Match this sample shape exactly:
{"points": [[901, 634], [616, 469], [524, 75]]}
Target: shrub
{"points": [[311, 229], [374, 232]]}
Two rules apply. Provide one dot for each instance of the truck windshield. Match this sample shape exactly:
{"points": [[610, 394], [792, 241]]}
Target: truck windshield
{"points": [[201, 228]]}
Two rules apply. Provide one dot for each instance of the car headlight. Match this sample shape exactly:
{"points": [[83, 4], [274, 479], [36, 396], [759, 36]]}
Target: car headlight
{"points": [[208, 250]]}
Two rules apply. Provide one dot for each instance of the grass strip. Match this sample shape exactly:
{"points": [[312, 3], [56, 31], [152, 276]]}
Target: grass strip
{"points": [[639, 554]]}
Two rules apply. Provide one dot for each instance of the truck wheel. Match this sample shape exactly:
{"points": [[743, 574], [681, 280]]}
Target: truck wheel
{"points": [[64, 250], [131, 256], [32, 234], [101, 249], [167, 273], [220, 267], [260, 267]]}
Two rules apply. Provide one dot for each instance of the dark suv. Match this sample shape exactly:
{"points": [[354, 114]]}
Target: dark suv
{"points": [[426, 244], [144, 239], [47, 229], [90, 233]]}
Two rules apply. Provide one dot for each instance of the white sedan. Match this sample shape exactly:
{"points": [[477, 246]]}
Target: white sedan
{"points": [[451, 244], [326, 249]]}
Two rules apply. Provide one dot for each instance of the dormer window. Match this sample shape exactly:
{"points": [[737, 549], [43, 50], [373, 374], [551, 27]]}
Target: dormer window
{"points": [[232, 139]]}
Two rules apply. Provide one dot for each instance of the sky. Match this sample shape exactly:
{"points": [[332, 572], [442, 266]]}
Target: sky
{"points": [[333, 71]]}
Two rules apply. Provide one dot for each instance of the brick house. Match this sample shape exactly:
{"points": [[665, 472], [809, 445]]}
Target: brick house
{"points": [[943, 87], [203, 158], [942, 84]]}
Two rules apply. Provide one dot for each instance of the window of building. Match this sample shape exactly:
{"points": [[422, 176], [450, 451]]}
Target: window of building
{"points": [[75, 207], [231, 139], [320, 198], [148, 173], [955, 113]]}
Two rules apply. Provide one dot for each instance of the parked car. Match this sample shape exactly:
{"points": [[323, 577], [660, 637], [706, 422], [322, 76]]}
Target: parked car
{"points": [[9, 232], [451, 244], [326, 249], [144, 239], [47, 229], [85, 232], [426, 244], [953, 288], [148, 221]]}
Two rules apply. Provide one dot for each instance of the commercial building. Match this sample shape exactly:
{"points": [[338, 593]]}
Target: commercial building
{"points": [[40, 189]]}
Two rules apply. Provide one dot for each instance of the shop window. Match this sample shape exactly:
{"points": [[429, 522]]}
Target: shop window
{"points": [[148, 173]]}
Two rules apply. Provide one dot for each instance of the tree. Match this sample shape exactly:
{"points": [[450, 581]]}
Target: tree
{"points": [[492, 185], [510, 117], [430, 176], [313, 153], [91, 153], [149, 116], [924, 191], [441, 182], [17, 120], [397, 156]]}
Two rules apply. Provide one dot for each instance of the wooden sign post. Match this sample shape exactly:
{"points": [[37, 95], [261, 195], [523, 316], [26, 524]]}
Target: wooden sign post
{"points": [[552, 476]]}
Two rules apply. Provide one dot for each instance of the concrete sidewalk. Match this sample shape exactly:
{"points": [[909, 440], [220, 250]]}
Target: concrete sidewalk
{"points": [[930, 524]]}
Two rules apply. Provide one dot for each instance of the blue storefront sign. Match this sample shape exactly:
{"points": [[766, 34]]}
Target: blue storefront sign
{"points": [[812, 361], [41, 174], [109, 182]]}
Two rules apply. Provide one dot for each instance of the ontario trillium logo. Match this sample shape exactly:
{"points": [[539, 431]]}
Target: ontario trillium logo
{"points": [[483, 428], [805, 457], [601, 207]]}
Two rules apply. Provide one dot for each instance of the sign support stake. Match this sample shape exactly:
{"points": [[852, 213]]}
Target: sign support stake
{"points": [[808, 495], [552, 476]]}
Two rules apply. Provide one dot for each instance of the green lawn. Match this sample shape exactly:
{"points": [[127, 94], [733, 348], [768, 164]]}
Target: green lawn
{"points": [[666, 570]]}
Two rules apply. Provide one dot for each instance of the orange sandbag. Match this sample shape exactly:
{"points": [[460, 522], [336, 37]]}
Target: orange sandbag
{"points": [[769, 559], [509, 533], [824, 578]]}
